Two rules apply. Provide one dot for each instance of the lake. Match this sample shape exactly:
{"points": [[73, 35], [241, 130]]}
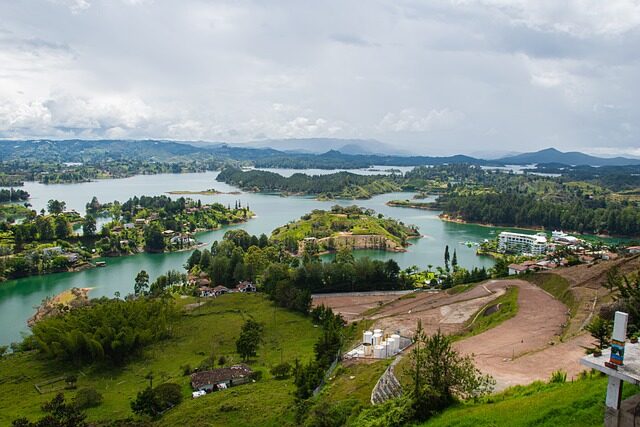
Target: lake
{"points": [[18, 298]]}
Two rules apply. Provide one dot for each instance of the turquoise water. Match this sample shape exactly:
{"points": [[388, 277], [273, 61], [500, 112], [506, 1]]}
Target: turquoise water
{"points": [[18, 298]]}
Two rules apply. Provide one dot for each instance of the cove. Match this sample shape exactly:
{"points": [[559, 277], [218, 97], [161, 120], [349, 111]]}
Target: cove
{"points": [[18, 298]]}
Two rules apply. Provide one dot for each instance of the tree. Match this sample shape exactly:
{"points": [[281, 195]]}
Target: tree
{"points": [[440, 374], [249, 340], [58, 414], [454, 260], [55, 207], [147, 402], [600, 329], [153, 239], [62, 227], [446, 258], [89, 226], [141, 285], [281, 371], [3, 350]]}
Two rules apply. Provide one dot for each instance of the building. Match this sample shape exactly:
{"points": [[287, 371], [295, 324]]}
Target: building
{"points": [[246, 287], [221, 378], [515, 269], [219, 290], [535, 244], [633, 249], [562, 237]]}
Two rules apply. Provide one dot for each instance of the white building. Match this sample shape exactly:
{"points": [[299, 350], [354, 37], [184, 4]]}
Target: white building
{"points": [[562, 237], [535, 244]]}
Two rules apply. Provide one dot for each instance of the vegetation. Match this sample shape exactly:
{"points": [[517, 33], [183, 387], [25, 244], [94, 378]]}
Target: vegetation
{"points": [[107, 330], [249, 340], [341, 185], [578, 403], [329, 225], [502, 308], [197, 335]]}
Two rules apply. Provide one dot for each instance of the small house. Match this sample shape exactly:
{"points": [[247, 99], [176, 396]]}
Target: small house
{"points": [[206, 291], [219, 290], [515, 269], [221, 378], [633, 249], [129, 226], [72, 257], [246, 286]]}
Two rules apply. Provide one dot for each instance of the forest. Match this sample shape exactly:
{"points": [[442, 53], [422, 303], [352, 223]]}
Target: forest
{"points": [[336, 185]]}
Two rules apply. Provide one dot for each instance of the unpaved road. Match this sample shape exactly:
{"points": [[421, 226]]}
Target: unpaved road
{"points": [[519, 350]]}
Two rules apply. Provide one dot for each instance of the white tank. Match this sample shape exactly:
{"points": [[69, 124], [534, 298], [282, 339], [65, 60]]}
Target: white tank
{"points": [[392, 346], [367, 337], [377, 339], [360, 353], [396, 337], [387, 350], [377, 331], [368, 350], [378, 352]]}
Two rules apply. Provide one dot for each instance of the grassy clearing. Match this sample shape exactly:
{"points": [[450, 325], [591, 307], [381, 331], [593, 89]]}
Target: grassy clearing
{"points": [[579, 404], [479, 323], [343, 387], [557, 286], [205, 331]]}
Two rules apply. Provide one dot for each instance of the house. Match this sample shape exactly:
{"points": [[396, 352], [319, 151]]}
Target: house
{"points": [[221, 378], [515, 269], [52, 251], [72, 257], [139, 222], [246, 287], [633, 249], [206, 291], [219, 290], [182, 240], [168, 233], [129, 226]]}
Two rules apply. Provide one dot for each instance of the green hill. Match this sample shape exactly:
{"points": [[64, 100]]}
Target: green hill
{"points": [[346, 222], [201, 333]]}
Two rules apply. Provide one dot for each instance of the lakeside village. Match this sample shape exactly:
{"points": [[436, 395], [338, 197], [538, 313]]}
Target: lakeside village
{"points": [[535, 252]]}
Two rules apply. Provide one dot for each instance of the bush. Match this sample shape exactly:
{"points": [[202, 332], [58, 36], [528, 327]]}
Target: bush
{"points": [[256, 375], [87, 398], [186, 369], [558, 377], [222, 360], [169, 394], [281, 371]]}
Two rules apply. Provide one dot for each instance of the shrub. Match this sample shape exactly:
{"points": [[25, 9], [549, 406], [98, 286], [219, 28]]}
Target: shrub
{"points": [[186, 369], [153, 402], [169, 394], [281, 371], [222, 360], [558, 377], [87, 398]]}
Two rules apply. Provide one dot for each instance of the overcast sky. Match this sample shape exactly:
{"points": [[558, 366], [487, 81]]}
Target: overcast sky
{"points": [[430, 76]]}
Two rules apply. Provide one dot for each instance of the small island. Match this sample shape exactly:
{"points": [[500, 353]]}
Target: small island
{"points": [[209, 192], [352, 227], [411, 204]]}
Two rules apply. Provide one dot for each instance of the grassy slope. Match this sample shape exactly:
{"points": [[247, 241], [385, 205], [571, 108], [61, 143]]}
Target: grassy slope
{"points": [[579, 404], [557, 286], [321, 220], [211, 329], [343, 387]]}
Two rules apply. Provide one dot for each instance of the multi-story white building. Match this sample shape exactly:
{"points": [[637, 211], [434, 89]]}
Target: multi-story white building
{"points": [[535, 244]]}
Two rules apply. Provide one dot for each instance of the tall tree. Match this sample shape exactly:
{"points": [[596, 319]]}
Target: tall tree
{"points": [[446, 257], [141, 285]]}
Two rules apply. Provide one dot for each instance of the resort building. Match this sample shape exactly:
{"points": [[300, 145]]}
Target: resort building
{"points": [[535, 244]]}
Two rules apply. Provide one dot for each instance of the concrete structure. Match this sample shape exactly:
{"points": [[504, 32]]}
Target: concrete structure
{"points": [[377, 344], [621, 363], [522, 243]]}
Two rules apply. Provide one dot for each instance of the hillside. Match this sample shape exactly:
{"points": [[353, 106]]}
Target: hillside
{"points": [[342, 226], [287, 336], [551, 155]]}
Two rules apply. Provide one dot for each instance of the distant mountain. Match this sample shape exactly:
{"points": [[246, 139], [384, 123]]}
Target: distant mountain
{"points": [[551, 155], [322, 145]]}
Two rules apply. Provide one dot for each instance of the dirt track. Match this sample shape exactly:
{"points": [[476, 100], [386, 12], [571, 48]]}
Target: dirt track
{"points": [[519, 350]]}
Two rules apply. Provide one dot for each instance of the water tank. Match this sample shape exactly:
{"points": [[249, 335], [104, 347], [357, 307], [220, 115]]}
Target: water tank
{"points": [[367, 337], [377, 351], [396, 337], [367, 349], [377, 339], [377, 331], [392, 346], [387, 350]]}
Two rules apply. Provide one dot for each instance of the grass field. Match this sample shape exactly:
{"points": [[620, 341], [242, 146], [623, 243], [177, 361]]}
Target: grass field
{"points": [[208, 330], [574, 404], [365, 375]]}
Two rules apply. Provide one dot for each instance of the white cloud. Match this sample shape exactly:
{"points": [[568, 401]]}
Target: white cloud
{"points": [[411, 120]]}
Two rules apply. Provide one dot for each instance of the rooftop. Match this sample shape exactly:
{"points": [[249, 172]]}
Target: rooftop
{"points": [[215, 376]]}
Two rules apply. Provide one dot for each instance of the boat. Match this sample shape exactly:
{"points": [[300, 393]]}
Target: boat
{"points": [[101, 264]]}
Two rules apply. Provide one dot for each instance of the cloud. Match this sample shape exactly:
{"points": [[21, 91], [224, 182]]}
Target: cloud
{"points": [[428, 77], [411, 120]]}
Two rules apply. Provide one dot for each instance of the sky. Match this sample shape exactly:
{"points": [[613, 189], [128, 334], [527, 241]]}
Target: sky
{"points": [[428, 77]]}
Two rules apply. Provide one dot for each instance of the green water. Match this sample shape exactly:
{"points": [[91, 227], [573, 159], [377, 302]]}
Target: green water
{"points": [[18, 298]]}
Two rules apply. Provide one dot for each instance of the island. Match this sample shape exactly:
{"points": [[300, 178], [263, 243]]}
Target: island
{"points": [[209, 192], [352, 227], [411, 204], [61, 240]]}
